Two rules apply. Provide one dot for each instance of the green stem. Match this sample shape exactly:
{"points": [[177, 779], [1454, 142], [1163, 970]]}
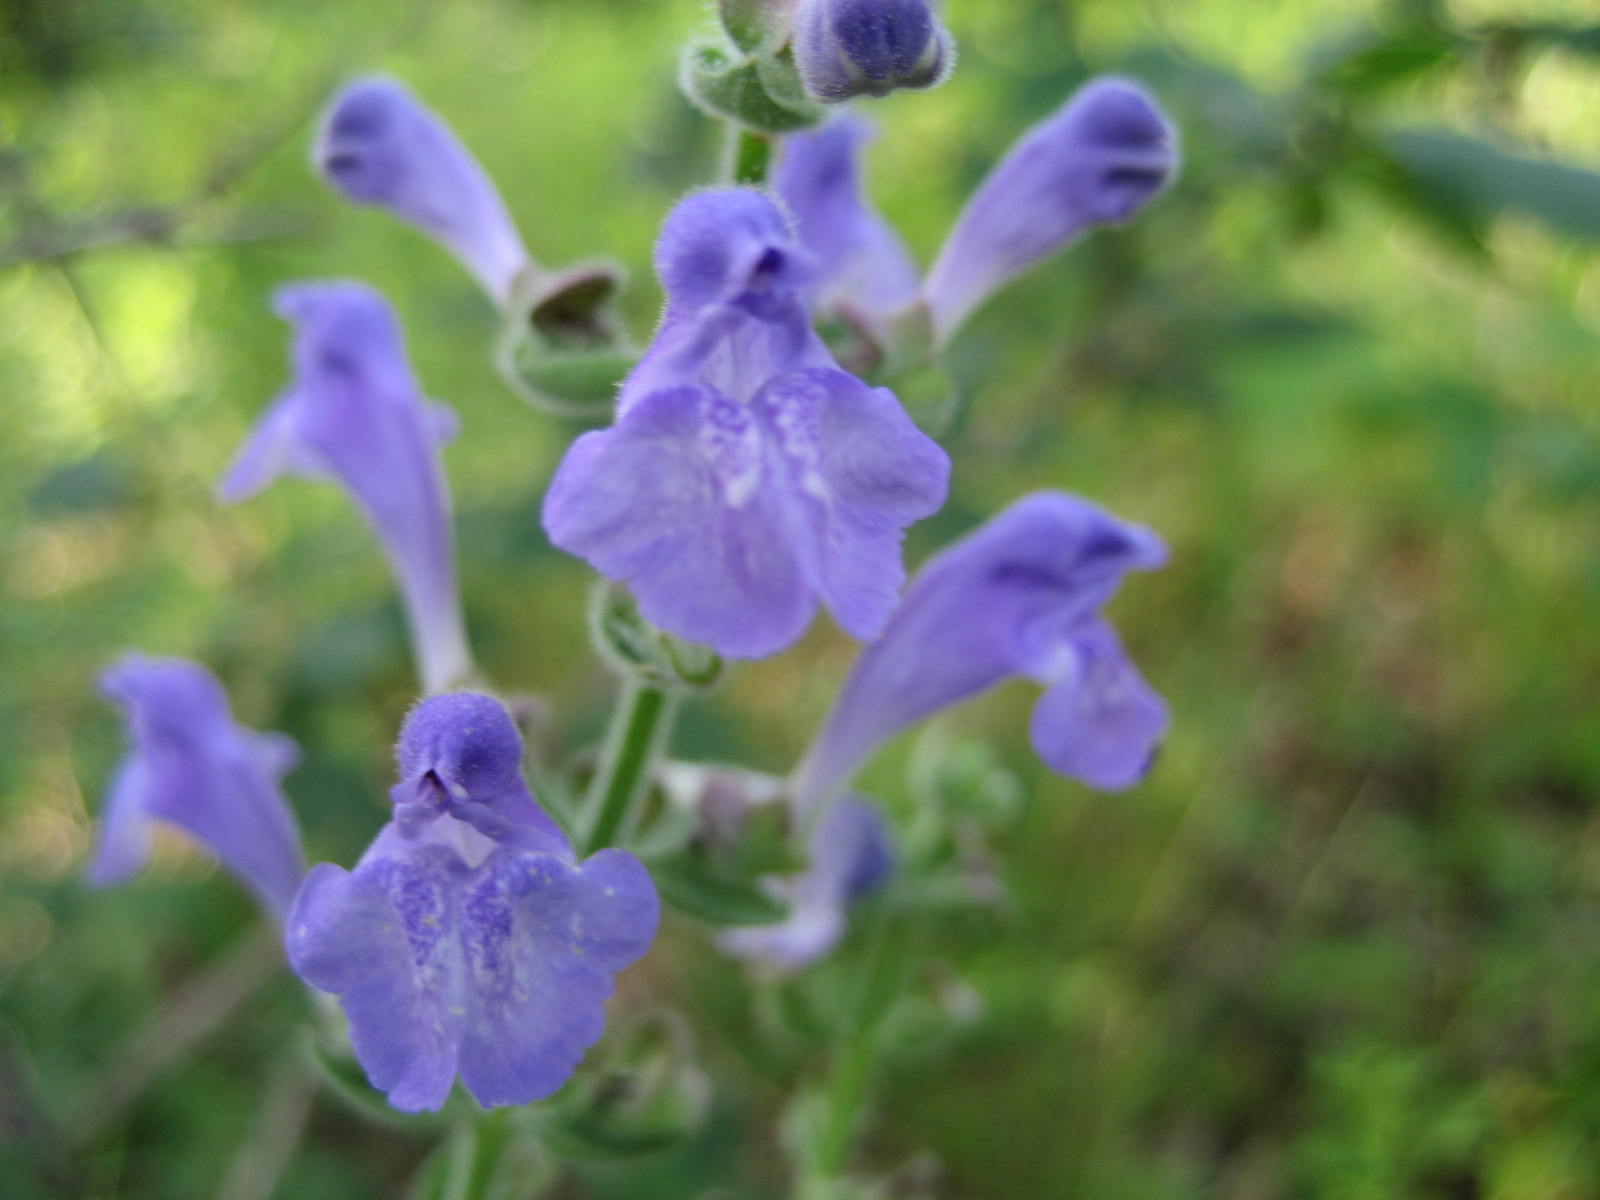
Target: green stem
{"points": [[473, 1157], [639, 728], [749, 156], [895, 949]]}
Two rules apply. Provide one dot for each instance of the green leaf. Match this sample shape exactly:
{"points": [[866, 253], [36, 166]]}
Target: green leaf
{"points": [[697, 889], [1371, 61], [1480, 182], [1576, 39]]}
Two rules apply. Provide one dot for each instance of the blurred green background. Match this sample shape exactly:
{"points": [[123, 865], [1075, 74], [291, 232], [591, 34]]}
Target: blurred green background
{"points": [[1345, 942]]}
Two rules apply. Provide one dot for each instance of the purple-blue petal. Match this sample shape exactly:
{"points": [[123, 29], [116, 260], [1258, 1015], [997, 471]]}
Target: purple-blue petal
{"points": [[1101, 722], [379, 939], [861, 263], [124, 843], [497, 971], [729, 246], [855, 471], [1006, 600], [194, 767], [746, 476], [673, 501], [379, 145], [543, 941], [851, 853], [355, 413], [846, 48], [460, 755], [1099, 159]]}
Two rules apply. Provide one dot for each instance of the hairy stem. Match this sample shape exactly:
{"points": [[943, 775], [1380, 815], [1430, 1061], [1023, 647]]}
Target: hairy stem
{"points": [[749, 156]]}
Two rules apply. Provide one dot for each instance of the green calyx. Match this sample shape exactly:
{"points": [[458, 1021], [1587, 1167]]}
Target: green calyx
{"points": [[756, 91], [563, 349]]}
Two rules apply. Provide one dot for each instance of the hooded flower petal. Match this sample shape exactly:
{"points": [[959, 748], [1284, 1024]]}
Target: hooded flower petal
{"points": [[354, 413], [746, 476], [460, 755], [736, 287], [194, 767], [1098, 160], [861, 263], [1020, 596], [467, 942], [730, 247], [846, 48], [851, 854], [379, 145]]}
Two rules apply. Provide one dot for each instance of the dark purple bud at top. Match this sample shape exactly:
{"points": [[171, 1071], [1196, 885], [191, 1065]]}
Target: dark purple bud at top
{"points": [[1098, 160], [194, 767], [379, 145], [846, 48], [1019, 596]]}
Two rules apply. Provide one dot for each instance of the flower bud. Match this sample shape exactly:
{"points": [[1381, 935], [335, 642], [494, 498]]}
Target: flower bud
{"points": [[379, 145], [1098, 160], [846, 48]]}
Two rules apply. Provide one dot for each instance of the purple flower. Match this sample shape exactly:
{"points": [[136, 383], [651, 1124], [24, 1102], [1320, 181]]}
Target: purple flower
{"points": [[746, 476], [468, 940], [861, 263], [851, 854], [1104, 155], [1097, 160], [194, 767], [380, 145], [1019, 596], [846, 48], [354, 413]]}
